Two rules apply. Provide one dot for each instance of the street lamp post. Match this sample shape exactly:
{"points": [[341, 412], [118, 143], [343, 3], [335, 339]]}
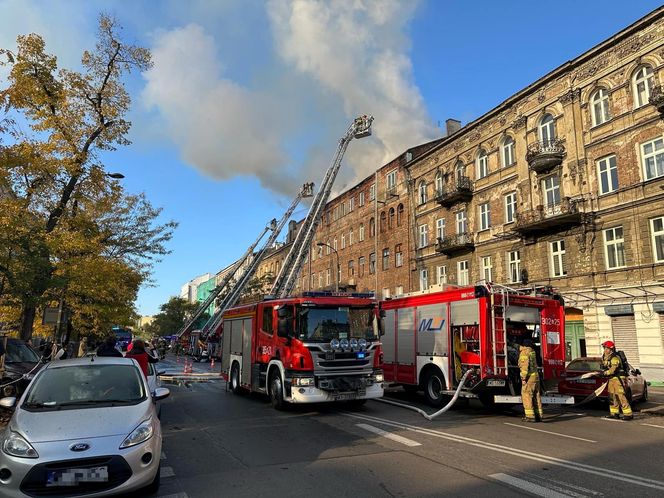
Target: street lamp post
{"points": [[336, 253]]}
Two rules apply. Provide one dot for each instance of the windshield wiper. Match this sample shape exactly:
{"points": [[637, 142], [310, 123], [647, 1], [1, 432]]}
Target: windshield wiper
{"points": [[34, 404]]}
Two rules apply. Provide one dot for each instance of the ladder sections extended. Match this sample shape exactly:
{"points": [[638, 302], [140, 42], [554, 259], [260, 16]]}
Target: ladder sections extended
{"points": [[235, 291], [287, 277]]}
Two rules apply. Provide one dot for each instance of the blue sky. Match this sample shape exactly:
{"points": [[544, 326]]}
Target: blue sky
{"points": [[248, 98]]}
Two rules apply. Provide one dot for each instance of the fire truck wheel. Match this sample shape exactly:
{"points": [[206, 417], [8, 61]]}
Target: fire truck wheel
{"points": [[434, 384], [235, 379], [277, 392]]}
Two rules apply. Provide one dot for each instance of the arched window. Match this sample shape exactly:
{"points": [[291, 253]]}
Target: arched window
{"points": [[600, 107], [547, 129], [383, 221], [399, 214], [372, 227], [482, 164], [439, 182], [507, 151], [459, 171], [422, 192], [361, 232], [642, 84], [390, 219]]}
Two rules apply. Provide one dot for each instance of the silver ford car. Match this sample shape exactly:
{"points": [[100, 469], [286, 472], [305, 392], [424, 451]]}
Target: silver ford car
{"points": [[84, 427]]}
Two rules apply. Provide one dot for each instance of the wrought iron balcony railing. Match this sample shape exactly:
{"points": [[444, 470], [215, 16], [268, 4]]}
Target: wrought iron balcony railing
{"points": [[461, 190], [461, 242], [552, 217], [544, 155]]}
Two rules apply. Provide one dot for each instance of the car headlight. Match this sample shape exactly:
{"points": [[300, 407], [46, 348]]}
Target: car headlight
{"points": [[303, 381], [16, 445], [378, 377], [142, 433]]}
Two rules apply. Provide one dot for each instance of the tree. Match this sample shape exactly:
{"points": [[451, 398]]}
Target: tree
{"points": [[172, 316], [59, 211]]}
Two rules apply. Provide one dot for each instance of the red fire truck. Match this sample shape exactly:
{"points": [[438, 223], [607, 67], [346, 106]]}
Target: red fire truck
{"points": [[312, 348], [432, 339]]}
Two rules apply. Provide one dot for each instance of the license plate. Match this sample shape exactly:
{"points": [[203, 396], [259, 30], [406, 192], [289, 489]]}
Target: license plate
{"points": [[73, 477], [584, 381], [495, 383], [345, 396]]}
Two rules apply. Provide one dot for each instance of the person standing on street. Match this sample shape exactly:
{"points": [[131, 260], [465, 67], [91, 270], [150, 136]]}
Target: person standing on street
{"points": [[83, 347], [530, 386], [615, 371], [139, 354], [108, 348]]}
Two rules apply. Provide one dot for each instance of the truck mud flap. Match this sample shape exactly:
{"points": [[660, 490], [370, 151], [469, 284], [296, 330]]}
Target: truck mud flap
{"points": [[546, 400]]}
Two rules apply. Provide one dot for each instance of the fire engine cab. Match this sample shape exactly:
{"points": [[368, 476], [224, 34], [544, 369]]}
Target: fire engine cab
{"points": [[312, 348], [432, 339]]}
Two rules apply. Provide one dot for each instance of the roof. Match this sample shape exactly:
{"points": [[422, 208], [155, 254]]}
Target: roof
{"points": [[87, 360]]}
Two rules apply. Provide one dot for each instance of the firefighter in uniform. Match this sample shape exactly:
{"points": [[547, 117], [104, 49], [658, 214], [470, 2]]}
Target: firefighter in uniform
{"points": [[530, 386], [612, 368]]}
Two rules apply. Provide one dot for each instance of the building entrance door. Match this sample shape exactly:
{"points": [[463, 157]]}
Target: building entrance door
{"points": [[575, 340]]}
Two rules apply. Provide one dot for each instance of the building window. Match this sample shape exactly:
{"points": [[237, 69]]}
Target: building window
{"points": [[547, 129], [440, 228], [461, 222], [386, 259], [390, 219], [652, 156], [485, 216], [424, 279], [313, 280], [334, 244], [372, 192], [482, 164], [361, 202], [422, 193], [350, 237], [328, 277], [320, 280], [372, 263], [398, 256], [327, 248], [507, 151], [608, 174], [439, 182], [372, 228], [657, 230], [441, 274], [600, 107], [551, 190], [463, 276], [351, 204], [351, 268], [392, 182], [510, 207], [386, 293], [487, 269], [459, 171], [614, 248], [361, 232], [642, 85], [557, 258], [514, 266], [383, 221], [399, 214], [361, 266], [423, 236], [343, 241], [399, 290]]}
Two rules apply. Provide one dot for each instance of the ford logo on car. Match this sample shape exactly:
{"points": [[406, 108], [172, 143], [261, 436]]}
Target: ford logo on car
{"points": [[79, 447]]}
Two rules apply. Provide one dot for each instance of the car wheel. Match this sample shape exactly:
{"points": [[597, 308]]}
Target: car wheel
{"points": [[644, 396], [434, 385], [235, 378], [277, 393], [153, 487]]}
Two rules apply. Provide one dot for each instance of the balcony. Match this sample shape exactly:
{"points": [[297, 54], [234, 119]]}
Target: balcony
{"points": [[552, 218], [545, 155], [452, 244], [459, 191], [657, 98]]}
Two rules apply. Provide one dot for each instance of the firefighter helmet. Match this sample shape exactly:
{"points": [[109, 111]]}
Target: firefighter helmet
{"points": [[608, 344]]}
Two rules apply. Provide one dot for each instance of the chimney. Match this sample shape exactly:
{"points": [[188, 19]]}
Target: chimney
{"points": [[292, 231], [452, 126]]}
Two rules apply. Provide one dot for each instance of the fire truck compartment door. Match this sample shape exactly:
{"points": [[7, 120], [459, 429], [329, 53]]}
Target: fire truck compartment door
{"points": [[465, 312], [245, 377], [236, 336], [406, 340], [226, 347], [522, 314], [389, 340], [432, 329]]}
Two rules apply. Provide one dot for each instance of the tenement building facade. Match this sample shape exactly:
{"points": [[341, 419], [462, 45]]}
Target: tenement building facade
{"points": [[561, 185]]}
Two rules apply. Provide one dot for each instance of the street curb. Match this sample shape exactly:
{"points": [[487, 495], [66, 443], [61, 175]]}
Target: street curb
{"points": [[657, 383]]}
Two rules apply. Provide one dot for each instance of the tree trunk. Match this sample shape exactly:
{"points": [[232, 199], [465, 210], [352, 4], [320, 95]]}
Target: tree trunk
{"points": [[27, 320]]}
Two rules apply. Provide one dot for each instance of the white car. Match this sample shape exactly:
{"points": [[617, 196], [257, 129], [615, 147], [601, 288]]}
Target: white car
{"points": [[86, 426]]}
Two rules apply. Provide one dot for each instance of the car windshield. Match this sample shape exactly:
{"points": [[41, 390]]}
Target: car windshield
{"points": [[324, 324], [85, 386], [19, 352], [581, 365]]}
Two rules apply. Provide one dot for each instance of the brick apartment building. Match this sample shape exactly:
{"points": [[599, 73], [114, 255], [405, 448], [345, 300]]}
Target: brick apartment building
{"points": [[560, 185]]}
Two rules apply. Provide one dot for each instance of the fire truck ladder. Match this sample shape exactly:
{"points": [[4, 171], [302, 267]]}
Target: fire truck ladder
{"points": [[499, 328], [235, 291], [287, 277]]}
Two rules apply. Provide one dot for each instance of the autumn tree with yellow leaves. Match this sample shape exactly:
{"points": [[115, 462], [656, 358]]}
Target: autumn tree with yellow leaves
{"points": [[67, 230]]}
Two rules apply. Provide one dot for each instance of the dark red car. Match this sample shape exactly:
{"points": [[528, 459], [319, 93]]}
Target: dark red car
{"points": [[571, 385]]}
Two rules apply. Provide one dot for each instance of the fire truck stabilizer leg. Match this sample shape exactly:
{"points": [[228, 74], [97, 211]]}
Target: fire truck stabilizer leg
{"points": [[439, 412]]}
